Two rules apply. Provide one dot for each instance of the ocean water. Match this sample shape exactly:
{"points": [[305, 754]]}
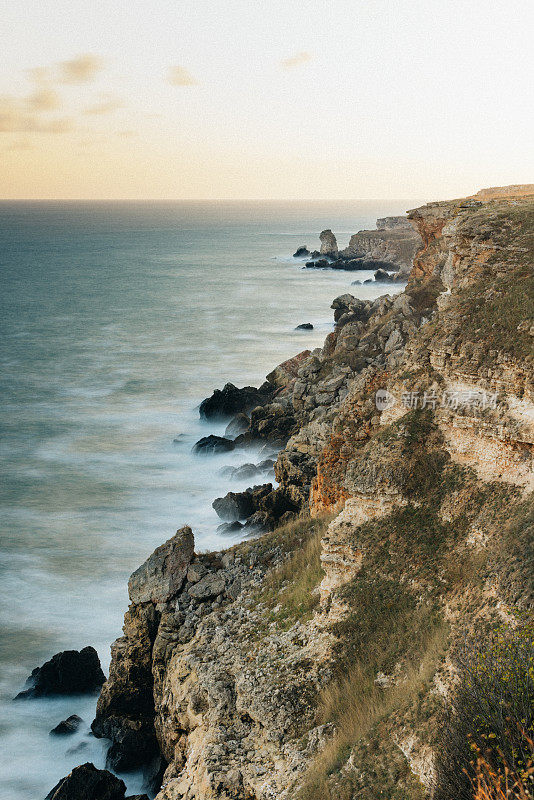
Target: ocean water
{"points": [[116, 321]]}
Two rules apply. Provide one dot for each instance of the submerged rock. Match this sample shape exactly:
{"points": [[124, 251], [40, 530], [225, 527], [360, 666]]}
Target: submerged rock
{"points": [[213, 444], [304, 326], [67, 726], [301, 252], [68, 672], [238, 425]]}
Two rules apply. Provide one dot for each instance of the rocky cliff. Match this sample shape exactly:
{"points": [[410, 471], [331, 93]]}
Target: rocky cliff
{"points": [[316, 661]]}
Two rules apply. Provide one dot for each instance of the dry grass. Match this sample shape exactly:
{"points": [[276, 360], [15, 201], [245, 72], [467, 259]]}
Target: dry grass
{"points": [[355, 704], [291, 587]]}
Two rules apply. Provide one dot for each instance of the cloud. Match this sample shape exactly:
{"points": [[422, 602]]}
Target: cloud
{"points": [[15, 118], [296, 60], [106, 105], [44, 99], [82, 69], [179, 76]]}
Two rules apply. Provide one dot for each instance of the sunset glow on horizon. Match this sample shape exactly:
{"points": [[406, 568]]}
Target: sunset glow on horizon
{"points": [[200, 100]]}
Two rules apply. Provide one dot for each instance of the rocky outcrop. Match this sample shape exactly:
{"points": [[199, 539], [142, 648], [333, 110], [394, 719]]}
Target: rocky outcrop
{"points": [[69, 672], [67, 726], [328, 244], [317, 657], [86, 782], [230, 400], [392, 246]]}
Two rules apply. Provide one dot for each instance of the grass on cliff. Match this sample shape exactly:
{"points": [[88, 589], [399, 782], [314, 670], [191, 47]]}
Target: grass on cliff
{"points": [[290, 589]]}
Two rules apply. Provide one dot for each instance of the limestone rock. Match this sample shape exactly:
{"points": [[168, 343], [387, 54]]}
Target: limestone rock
{"points": [[328, 243], [162, 574]]}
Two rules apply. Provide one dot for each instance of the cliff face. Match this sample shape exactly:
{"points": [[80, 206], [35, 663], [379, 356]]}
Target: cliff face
{"points": [[394, 241], [315, 660]]}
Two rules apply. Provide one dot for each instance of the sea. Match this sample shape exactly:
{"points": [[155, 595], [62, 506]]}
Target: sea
{"points": [[116, 320]]}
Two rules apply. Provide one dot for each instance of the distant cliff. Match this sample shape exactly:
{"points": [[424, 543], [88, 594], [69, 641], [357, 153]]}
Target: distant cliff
{"points": [[318, 660]]}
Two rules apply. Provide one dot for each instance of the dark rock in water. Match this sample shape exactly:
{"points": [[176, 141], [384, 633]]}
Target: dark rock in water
{"points": [[234, 506], [245, 472], [356, 283], [320, 263], [229, 527], [266, 465], [304, 326], [230, 400], [67, 726], [373, 263], [213, 444], [69, 672], [369, 280], [382, 276], [86, 782], [301, 252], [238, 425]]}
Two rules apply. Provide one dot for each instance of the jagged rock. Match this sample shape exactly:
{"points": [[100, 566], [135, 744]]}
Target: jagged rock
{"points": [[286, 372], [238, 425], [301, 252], [210, 585], [230, 400], [196, 571], [68, 672], [234, 506], [213, 444], [162, 574], [86, 782], [328, 243], [67, 726]]}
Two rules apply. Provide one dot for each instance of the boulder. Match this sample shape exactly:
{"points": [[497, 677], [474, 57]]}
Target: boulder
{"points": [[234, 506], [230, 400], [382, 276], [320, 263], [163, 573], [67, 726], [69, 672], [328, 244], [229, 527], [86, 782], [213, 444], [304, 326], [301, 252]]}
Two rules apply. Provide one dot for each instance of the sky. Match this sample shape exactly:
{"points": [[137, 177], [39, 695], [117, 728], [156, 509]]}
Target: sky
{"points": [[202, 99]]}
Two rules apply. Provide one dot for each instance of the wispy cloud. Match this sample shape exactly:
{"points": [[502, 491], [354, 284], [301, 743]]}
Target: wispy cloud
{"points": [[296, 60], [44, 99], [106, 105], [81, 69], [179, 76], [15, 118]]}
